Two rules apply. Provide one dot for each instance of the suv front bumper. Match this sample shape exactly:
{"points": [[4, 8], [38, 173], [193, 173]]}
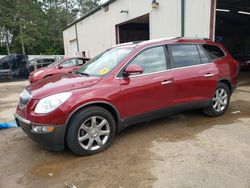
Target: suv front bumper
{"points": [[53, 140]]}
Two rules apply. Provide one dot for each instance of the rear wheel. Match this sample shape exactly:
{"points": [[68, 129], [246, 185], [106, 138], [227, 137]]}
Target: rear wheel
{"points": [[90, 131], [220, 101]]}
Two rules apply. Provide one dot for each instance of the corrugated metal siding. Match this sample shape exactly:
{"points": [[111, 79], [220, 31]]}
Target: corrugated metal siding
{"points": [[97, 32]]}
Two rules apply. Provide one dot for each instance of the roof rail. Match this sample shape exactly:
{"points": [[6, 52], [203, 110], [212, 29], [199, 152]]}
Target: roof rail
{"points": [[157, 40], [193, 38], [160, 39], [127, 43]]}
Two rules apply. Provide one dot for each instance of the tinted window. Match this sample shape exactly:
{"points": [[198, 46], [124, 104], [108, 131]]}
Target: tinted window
{"points": [[151, 60], [185, 55], [214, 52], [203, 55]]}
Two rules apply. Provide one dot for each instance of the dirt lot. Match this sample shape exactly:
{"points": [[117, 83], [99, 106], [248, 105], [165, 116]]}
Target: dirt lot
{"points": [[185, 150]]}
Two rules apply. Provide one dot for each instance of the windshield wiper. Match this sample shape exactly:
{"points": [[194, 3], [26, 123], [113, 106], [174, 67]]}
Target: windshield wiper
{"points": [[83, 73]]}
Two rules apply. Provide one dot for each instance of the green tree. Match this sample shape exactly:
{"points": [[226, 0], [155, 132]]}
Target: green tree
{"points": [[6, 17], [22, 20], [87, 5], [35, 26]]}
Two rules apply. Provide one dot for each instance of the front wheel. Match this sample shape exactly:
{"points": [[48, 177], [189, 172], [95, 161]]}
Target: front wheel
{"points": [[90, 131], [220, 101]]}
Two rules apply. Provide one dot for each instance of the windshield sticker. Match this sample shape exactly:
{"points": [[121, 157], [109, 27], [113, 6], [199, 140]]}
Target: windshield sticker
{"points": [[104, 71]]}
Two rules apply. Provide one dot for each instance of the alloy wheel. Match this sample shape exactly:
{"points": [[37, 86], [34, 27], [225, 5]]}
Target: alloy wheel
{"points": [[94, 133], [220, 99]]}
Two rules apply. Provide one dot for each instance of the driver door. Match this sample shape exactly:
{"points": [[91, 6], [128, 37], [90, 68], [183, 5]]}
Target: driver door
{"points": [[153, 89]]}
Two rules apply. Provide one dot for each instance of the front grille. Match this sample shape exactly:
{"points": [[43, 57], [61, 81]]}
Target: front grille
{"points": [[24, 98]]}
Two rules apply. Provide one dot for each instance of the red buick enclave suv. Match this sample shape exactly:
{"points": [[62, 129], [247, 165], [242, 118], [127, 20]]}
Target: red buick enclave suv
{"points": [[125, 85]]}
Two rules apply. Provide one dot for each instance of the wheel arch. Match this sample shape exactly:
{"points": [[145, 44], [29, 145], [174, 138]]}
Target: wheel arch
{"points": [[47, 76], [228, 83], [103, 104]]}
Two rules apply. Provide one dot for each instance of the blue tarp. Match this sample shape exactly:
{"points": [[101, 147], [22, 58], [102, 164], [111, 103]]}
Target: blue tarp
{"points": [[6, 125]]}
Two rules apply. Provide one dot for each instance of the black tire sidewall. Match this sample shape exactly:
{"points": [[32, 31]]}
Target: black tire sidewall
{"points": [[211, 108], [76, 122]]}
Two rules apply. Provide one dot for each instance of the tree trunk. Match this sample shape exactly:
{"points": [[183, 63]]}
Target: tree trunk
{"points": [[7, 42], [20, 28], [21, 38]]}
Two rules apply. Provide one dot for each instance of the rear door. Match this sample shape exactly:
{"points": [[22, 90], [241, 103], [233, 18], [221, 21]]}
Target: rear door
{"points": [[195, 78], [153, 89]]}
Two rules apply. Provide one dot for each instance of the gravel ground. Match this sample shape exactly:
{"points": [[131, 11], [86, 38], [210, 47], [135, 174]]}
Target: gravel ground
{"points": [[185, 150]]}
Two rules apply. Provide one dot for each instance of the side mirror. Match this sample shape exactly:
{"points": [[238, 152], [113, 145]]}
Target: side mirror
{"points": [[132, 70], [60, 66]]}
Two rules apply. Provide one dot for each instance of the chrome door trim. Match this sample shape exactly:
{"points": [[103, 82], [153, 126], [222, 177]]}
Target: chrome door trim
{"points": [[179, 68]]}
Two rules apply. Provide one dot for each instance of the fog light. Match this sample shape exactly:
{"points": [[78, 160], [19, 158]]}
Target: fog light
{"points": [[41, 129]]}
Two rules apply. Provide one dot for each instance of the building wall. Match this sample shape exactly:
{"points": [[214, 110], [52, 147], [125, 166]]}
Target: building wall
{"points": [[97, 32], [69, 35], [197, 18], [166, 20]]}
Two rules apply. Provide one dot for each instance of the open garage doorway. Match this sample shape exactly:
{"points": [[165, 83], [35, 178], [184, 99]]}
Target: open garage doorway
{"points": [[133, 30], [233, 27]]}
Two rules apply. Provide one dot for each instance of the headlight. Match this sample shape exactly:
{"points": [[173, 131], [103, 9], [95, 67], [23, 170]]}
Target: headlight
{"points": [[50, 103]]}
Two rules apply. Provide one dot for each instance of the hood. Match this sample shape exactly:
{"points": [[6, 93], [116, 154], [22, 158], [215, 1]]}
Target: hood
{"points": [[60, 83], [41, 71]]}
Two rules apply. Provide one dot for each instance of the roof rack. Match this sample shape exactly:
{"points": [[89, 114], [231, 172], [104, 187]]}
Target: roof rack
{"points": [[157, 40], [193, 38], [127, 43]]}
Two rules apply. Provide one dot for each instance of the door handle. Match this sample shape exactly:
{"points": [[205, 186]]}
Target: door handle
{"points": [[165, 82], [208, 75]]}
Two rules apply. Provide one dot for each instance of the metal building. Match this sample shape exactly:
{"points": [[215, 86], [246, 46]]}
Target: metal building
{"points": [[119, 21]]}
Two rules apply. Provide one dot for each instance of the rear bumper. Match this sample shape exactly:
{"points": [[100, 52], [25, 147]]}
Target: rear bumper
{"points": [[52, 141]]}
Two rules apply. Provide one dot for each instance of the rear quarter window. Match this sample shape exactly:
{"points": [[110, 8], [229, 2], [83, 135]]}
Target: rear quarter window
{"points": [[185, 55], [203, 55], [214, 52]]}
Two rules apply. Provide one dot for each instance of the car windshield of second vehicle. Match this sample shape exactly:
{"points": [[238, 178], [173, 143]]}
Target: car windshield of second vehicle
{"points": [[105, 62], [55, 63]]}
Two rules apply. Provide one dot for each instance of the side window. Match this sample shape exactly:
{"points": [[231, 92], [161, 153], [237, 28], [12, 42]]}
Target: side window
{"points": [[69, 63], [203, 55], [151, 60], [185, 55], [80, 62], [214, 52]]}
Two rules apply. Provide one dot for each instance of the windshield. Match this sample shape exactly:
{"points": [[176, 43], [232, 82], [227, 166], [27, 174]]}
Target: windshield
{"points": [[55, 63], [105, 62]]}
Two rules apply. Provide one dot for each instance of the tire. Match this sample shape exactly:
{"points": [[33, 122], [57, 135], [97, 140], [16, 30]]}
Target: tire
{"points": [[90, 131], [221, 98]]}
